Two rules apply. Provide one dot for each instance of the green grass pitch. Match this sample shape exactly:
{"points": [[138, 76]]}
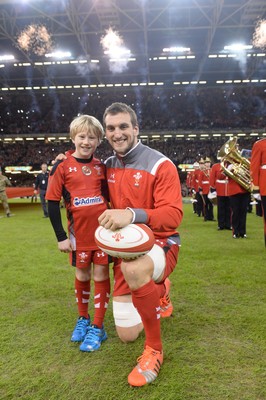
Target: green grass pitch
{"points": [[214, 345]]}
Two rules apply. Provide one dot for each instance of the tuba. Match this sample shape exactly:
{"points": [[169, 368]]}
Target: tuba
{"points": [[234, 165]]}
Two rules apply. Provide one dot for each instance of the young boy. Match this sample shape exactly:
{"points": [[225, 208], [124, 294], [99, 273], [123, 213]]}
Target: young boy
{"points": [[81, 180]]}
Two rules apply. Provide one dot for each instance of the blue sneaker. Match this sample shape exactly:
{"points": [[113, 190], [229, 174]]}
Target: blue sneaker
{"points": [[80, 330], [94, 338]]}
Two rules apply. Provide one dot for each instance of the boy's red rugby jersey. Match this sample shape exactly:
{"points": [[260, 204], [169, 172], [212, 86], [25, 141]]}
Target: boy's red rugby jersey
{"points": [[84, 189]]}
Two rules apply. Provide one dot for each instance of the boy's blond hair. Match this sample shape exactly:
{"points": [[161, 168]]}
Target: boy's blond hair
{"points": [[86, 123]]}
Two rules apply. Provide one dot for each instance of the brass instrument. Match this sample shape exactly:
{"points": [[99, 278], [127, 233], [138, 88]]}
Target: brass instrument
{"points": [[234, 165]]}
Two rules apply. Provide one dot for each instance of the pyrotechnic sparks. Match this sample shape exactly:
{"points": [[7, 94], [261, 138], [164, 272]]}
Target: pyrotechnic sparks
{"points": [[112, 44], [259, 36], [111, 40], [36, 39]]}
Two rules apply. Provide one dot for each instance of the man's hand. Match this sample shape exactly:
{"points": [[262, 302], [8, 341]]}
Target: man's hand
{"points": [[60, 157], [115, 219]]}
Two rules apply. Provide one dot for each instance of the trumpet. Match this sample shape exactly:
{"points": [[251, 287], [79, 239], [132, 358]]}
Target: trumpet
{"points": [[234, 165]]}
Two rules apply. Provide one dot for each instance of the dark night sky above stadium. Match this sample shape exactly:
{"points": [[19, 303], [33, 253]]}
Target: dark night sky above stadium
{"points": [[130, 41]]}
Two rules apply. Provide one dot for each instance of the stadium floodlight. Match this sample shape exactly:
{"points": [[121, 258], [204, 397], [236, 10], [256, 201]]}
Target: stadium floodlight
{"points": [[238, 47], [58, 54], [176, 49], [7, 57]]}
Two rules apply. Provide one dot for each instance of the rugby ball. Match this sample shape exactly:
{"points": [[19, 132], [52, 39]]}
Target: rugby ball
{"points": [[129, 242]]}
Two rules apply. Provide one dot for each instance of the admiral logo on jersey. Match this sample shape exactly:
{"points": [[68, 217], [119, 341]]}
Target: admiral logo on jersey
{"points": [[87, 201]]}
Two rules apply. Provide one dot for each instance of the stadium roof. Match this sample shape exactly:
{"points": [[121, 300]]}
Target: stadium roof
{"points": [[144, 27]]}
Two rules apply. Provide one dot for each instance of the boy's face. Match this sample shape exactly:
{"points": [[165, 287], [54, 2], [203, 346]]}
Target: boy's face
{"points": [[85, 144]]}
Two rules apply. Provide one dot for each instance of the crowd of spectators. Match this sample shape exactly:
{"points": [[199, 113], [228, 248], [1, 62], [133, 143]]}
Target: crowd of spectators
{"points": [[158, 108], [180, 151]]}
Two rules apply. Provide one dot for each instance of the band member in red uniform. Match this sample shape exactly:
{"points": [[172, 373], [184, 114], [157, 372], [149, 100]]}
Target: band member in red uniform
{"points": [[81, 181], [204, 188], [219, 183], [195, 187], [188, 180], [258, 174], [144, 188], [239, 198], [190, 186]]}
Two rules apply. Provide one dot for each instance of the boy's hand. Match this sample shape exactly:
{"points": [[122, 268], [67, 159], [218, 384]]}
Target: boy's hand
{"points": [[65, 246], [115, 219]]}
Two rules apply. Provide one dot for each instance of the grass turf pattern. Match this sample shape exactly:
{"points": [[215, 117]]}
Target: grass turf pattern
{"points": [[214, 345]]}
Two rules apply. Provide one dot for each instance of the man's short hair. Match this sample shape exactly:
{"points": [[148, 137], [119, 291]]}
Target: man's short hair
{"points": [[116, 108]]}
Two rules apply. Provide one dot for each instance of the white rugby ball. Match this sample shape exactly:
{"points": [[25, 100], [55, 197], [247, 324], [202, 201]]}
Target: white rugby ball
{"points": [[129, 242]]}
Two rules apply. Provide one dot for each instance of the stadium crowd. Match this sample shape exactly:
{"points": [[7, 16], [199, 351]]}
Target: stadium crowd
{"points": [[180, 151], [157, 108]]}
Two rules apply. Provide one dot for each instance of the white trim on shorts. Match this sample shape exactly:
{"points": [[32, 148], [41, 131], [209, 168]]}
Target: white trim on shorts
{"points": [[125, 314], [159, 261]]}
